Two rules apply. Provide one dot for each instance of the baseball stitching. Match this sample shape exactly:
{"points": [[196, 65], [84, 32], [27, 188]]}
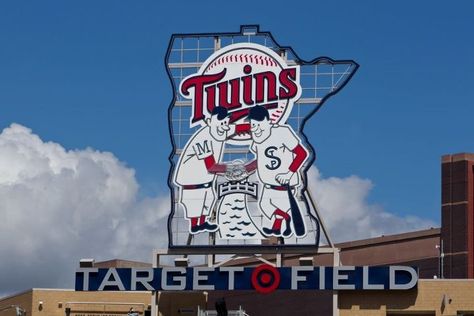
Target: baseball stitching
{"points": [[244, 58], [254, 59]]}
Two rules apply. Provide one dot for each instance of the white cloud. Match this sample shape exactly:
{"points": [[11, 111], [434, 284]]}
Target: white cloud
{"points": [[348, 215], [58, 206]]}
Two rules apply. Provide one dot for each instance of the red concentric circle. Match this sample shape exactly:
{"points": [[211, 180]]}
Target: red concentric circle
{"points": [[265, 278]]}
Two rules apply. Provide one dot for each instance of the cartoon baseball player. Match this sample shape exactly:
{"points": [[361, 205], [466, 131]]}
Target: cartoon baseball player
{"points": [[279, 157], [198, 166]]}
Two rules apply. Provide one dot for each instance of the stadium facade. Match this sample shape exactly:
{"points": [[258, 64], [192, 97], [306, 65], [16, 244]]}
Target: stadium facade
{"points": [[444, 257]]}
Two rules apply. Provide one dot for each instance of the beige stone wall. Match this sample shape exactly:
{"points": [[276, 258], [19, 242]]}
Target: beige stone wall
{"points": [[22, 300], [87, 303], [426, 300], [55, 302], [51, 302]]}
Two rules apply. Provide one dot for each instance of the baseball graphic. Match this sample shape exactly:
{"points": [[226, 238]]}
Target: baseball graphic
{"points": [[240, 157], [242, 96], [239, 77]]}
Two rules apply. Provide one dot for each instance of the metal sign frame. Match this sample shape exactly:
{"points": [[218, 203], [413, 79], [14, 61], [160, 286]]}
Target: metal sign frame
{"points": [[339, 80]]}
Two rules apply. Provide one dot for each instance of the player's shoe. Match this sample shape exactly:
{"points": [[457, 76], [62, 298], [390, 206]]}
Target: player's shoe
{"points": [[287, 232], [195, 229], [271, 232], [208, 227]]}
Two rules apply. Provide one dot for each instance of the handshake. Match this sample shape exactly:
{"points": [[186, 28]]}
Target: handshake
{"points": [[237, 171]]}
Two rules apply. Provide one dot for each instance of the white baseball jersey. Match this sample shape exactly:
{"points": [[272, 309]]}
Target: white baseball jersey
{"points": [[191, 168], [274, 155]]}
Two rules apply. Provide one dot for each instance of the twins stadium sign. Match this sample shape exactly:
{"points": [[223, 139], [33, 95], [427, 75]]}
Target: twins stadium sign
{"points": [[240, 157], [239, 165]]}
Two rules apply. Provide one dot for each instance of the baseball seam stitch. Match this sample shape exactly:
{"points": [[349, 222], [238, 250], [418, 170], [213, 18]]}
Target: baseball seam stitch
{"points": [[254, 59]]}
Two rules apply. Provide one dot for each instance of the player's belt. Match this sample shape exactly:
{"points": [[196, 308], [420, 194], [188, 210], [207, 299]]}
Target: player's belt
{"points": [[277, 187], [197, 186]]}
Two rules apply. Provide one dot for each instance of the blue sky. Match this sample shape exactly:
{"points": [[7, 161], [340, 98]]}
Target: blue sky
{"points": [[91, 74]]}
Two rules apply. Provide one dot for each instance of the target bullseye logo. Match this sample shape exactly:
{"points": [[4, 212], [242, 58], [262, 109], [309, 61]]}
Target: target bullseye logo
{"points": [[265, 278]]}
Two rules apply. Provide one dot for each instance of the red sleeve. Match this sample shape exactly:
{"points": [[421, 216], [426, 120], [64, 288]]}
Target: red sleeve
{"points": [[212, 166], [300, 156], [251, 166]]}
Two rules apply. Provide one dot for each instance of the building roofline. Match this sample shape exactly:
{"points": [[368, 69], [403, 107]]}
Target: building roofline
{"points": [[121, 263], [457, 157], [385, 239], [15, 294]]}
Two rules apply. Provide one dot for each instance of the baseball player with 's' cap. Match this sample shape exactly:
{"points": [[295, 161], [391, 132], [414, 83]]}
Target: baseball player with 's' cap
{"points": [[279, 157], [198, 166]]}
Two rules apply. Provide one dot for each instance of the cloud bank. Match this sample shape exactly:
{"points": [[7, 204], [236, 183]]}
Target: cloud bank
{"points": [[58, 206], [348, 215]]}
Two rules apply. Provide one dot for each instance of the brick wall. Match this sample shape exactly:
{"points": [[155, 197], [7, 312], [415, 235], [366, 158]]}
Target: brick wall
{"points": [[433, 297], [457, 215]]}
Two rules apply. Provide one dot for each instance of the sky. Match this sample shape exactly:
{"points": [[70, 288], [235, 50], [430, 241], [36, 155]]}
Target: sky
{"points": [[84, 142]]}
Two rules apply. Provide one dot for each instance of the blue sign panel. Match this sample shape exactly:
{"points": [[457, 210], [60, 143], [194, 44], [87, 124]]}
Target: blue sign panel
{"points": [[264, 278]]}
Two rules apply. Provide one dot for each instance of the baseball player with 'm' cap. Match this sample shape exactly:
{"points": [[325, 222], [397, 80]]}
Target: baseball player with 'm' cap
{"points": [[279, 157], [198, 165]]}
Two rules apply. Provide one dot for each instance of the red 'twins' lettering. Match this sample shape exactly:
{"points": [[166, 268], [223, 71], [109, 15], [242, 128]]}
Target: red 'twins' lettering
{"points": [[250, 89]]}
